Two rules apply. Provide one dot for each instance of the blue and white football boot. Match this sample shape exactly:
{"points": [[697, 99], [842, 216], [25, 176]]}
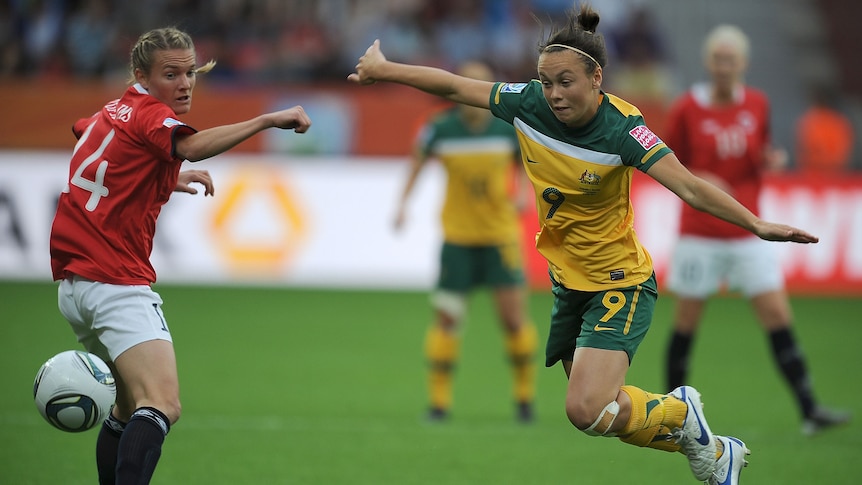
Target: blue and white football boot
{"points": [[694, 438], [729, 466]]}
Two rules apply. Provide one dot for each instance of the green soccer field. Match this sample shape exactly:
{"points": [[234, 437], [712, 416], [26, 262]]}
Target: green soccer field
{"points": [[287, 386]]}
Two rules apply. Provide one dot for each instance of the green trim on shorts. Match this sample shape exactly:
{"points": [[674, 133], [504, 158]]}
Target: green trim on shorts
{"points": [[463, 268], [616, 319]]}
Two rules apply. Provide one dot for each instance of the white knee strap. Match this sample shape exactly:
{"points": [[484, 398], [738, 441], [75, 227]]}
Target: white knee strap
{"points": [[451, 303], [605, 420]]}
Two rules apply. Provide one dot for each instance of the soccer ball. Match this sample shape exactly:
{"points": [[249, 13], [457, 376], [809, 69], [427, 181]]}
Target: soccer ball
{"points": [[74, 391]]}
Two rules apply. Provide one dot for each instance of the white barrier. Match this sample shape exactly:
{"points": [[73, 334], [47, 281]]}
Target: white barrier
{"points": [[327, 222], [309, 222]]}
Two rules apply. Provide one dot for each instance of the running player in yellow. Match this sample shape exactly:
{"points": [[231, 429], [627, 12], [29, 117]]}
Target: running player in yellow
{"points": [[579, 146], [481, 242]]}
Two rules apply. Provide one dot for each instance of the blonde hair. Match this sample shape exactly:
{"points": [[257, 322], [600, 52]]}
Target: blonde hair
{"points": [[726, 35], [162, 39]]}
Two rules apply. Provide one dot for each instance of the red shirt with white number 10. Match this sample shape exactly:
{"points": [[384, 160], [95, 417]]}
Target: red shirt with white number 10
{"points": [[123, 170], [726, 141]]}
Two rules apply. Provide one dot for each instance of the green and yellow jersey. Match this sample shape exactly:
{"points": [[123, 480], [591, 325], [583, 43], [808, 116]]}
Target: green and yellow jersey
{"points": [[478, 209], [582, 179]]}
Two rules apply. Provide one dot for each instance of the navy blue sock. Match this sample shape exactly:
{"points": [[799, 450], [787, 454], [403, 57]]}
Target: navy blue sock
{"points": [[141, 446], [791, 363], [677, 360], [106, 449]]}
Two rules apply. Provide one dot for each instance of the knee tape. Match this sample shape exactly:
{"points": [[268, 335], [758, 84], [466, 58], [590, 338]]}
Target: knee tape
{"points": [[451, 303], [603, 423]]}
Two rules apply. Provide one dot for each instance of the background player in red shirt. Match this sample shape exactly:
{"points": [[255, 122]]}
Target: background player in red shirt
{"points": [[124, 167], [720, 131]]}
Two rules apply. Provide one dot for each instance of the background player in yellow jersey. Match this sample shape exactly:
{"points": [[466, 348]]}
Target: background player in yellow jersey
{"points": [[481, 241], [579, 147]]}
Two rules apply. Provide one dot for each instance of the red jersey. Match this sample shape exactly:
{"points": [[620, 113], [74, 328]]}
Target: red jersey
{"points": [[123, 169], [725, 141]]}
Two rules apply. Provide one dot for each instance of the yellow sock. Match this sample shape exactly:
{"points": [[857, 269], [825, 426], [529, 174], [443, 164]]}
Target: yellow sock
{"points": [[521, 347], [441, 350], [653, 416]]}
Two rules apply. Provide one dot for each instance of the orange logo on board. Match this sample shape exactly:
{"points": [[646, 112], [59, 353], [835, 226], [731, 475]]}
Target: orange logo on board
{"points": [[262, 252]]}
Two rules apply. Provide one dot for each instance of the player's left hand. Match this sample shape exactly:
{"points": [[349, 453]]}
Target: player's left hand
{"points": [[366, 69], [188, 177], [781, 232]]}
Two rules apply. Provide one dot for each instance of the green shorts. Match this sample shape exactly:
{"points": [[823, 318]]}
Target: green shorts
{"points": [[615, 319], [463, 268]]}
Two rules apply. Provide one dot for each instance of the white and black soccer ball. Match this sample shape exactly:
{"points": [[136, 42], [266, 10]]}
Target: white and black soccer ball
{"points": [[74, 390]]}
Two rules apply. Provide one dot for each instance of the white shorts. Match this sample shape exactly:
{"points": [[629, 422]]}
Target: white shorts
{"points": [[702, 266], [110, 319]]}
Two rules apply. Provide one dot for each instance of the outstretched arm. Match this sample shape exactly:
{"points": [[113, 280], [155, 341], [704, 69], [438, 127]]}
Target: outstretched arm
{"points": [[213, 141], [374, 67], [706, 197]]}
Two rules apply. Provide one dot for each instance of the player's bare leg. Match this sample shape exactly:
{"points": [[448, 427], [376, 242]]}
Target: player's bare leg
{"points": [[149, 374], [598, 403]]}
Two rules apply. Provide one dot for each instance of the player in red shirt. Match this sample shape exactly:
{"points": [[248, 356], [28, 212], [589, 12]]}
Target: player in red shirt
{"points": [[124, 167], [720, 131]]}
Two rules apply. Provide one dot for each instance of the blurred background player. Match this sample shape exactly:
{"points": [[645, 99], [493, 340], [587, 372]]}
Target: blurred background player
{"points": [[721, 132], [481, 241], [123, 169]]}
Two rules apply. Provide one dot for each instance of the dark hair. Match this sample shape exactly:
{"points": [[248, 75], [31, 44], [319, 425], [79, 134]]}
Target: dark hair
{"points": [[579, 32]]}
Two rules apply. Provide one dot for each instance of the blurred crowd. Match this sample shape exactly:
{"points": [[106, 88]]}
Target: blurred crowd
{"points": [[266, 41]]}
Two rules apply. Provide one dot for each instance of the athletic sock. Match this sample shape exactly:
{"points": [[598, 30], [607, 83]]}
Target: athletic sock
{"points": [[677, 360], [521, 347], [141, 446], [791, 362], [653, 416], [106, 449], [441, 350]]}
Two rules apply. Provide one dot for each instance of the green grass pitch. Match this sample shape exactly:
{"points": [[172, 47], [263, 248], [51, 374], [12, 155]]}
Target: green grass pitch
{"points": [[288, 386]]}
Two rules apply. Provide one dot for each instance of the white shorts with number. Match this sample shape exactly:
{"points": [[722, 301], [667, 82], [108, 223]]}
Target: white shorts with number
{"points": [[702, 266], [110, 319]]}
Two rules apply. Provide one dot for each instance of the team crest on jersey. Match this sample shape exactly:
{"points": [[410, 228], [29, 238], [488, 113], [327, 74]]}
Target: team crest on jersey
{"points": [[513, 87], [590, 178], [170, 122], [645, 137]]}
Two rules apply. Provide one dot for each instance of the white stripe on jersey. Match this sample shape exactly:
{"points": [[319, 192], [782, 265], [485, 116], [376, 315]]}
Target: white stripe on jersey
{"points": [[587, 155], [485, 144]]}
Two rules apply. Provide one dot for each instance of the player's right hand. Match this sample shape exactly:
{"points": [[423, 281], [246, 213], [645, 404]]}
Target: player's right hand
{"points": [[291, 119]]}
